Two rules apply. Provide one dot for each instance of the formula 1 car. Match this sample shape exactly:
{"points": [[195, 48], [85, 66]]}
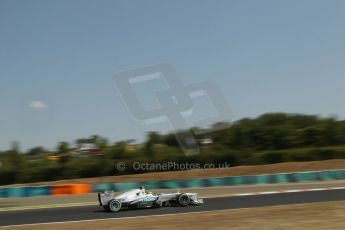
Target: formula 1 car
{"points": [[139, 198]]}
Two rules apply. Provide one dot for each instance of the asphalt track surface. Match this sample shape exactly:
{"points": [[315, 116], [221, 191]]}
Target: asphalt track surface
{"points": [[97, 212]]}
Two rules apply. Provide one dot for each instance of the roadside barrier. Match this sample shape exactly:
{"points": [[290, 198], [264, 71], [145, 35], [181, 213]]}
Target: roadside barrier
{"points": [[71, 189], [25, 191], [227, 181], [77, 189]]}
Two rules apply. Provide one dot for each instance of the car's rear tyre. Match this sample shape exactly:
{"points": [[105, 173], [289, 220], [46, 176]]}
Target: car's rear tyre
{"points": [[183, 200], [114, 205]]}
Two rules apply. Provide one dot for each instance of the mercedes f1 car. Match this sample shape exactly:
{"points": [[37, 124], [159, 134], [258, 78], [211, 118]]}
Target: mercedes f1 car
{"points": [[139, 198]]}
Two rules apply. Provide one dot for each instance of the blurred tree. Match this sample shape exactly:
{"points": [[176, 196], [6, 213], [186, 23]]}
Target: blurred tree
{"points": [[36, 151], [170, 140], [102, 143], [14, 156], [152, 138], [62, 151], [117, 150]]}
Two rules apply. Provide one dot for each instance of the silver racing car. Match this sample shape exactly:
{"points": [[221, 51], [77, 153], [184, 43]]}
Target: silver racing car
{"points": [[139, 198]]}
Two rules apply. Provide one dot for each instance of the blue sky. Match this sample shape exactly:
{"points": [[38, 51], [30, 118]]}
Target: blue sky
{"points": [[57, 59]]}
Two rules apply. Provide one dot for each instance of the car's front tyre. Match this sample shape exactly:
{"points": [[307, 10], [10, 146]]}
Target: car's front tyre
{"points": [[114, 205], [183, 200]]}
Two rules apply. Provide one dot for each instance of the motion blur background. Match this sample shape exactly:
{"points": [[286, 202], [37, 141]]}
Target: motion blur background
{"points": [[61, 117]]}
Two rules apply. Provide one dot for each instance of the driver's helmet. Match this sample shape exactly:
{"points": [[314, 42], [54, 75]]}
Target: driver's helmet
{"points": [[141, 188]]}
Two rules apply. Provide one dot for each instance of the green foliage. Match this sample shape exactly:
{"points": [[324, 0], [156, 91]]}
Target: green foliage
{"points": [[35, 171], [152, 138], [116, 151], [270, 138], [83, 167], [62, 150], [36, 151], [284, 131]]}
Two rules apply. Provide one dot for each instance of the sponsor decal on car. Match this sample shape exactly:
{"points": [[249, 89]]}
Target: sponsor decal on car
{"points": [[148, 199]]}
